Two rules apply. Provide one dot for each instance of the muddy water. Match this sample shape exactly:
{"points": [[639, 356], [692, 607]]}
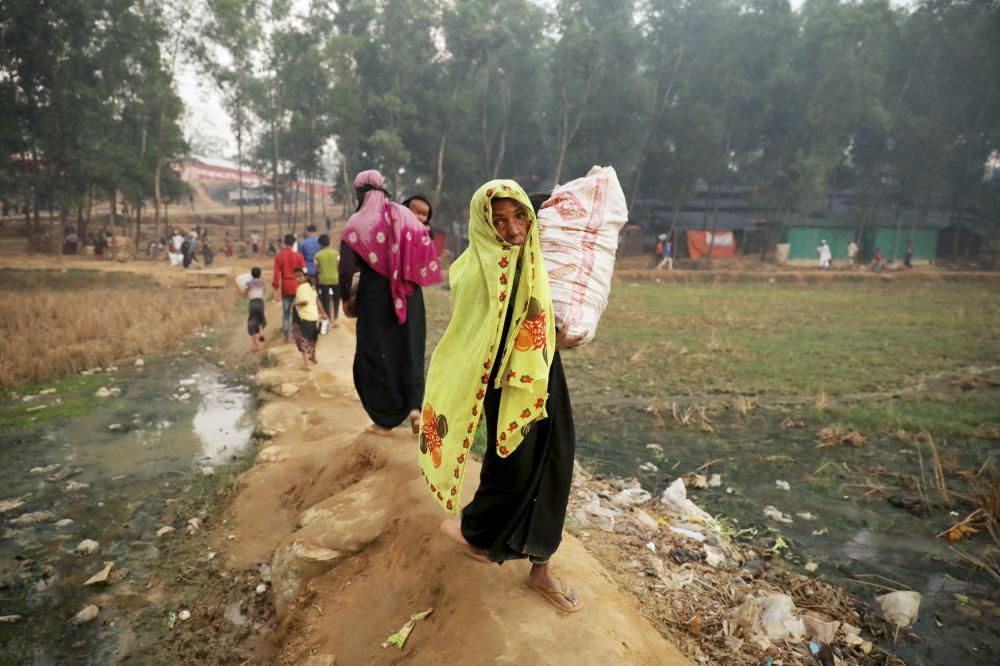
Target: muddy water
{"points": [[852, 535], [141, 454]]}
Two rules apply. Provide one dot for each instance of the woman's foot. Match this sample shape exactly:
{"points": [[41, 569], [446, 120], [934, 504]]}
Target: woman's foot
{"points": [[553, 590], [415, 421], [453, 529]]}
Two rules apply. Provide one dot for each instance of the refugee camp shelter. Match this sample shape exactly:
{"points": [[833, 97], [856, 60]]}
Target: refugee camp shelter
{"points": [[890, 234]]}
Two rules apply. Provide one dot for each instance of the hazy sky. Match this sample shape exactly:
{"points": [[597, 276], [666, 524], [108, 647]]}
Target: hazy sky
{"points": [[207, 124]]}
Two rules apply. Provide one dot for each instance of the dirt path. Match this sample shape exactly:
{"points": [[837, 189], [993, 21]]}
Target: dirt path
{"points": [[344, 520]]}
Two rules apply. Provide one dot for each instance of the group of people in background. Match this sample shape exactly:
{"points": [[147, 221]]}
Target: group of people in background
{"points": [[878, 262]]}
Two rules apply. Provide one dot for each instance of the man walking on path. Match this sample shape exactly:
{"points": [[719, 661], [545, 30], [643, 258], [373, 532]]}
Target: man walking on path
{"points": [[663, 251], [824, 254], [309, 247], [284, 282], [327, 267], [908, 261], [852, 253]]}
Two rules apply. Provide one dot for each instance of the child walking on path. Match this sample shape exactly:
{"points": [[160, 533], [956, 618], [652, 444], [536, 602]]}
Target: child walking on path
{"points": [[327, 267], [306, 317], [251, 286]]}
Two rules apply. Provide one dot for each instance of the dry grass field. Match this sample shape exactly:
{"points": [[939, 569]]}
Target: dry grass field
{"points": [[53, 323]]}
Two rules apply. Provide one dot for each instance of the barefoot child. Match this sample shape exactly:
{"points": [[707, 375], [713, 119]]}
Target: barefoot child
{"points": [[305, 318], [250, 286], [498, 357]]}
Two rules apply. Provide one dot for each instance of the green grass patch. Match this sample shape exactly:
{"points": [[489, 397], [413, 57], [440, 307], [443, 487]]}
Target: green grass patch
{"points": [[961, 416], [75, 393]]}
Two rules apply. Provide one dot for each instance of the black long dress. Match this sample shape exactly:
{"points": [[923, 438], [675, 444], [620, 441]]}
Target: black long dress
{"points": [[520, 506], [389, 357]]}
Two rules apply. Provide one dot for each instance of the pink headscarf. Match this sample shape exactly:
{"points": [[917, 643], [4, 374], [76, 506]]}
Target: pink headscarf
{"points": [[390, 239]]}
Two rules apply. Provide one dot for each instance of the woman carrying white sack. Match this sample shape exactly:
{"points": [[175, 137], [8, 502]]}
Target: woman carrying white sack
{"points": [[578, 226]]}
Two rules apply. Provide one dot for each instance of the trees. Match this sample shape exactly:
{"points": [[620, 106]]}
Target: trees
{"points": [[90, 104], [899, 105]]}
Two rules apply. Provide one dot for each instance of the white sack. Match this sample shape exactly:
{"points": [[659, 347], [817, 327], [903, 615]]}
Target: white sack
{"points": [[578, 228]]}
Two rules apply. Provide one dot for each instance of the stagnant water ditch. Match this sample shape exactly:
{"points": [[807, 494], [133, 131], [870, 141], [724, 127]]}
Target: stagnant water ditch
{"points": [[853, 537], [110, 475]]}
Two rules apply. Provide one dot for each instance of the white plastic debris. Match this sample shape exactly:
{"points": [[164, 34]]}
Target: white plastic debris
{"points": [[687, 533], [184, 615], [776, 515], [86, 615], [782, 485], [87, 547], [165, 530], [778, 618], [675, 499], [900, 607], [634, 496]]}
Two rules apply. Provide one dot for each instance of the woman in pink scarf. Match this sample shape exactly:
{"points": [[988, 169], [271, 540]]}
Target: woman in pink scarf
{"points": [[393, 251]]}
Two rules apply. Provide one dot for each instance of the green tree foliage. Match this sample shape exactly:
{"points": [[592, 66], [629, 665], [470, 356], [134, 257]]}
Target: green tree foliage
{"points": [[88, 106], [899, 104]]}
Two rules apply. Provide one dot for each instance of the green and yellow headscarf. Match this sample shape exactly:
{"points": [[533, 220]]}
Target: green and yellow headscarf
{"points": [[481, 281]]}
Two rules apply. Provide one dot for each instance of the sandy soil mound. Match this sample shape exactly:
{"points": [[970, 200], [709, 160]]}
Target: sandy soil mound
{"points": [[352, 538]]}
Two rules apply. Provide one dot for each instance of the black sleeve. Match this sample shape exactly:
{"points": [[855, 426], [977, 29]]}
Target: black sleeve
{"points": [[347, 268]]}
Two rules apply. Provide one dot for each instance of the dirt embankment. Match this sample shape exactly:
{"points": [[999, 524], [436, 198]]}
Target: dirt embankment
{"points": [[352, 538]]}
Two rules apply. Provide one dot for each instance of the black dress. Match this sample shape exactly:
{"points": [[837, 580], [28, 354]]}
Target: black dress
{"points": [[389, 357], [520, 506]]}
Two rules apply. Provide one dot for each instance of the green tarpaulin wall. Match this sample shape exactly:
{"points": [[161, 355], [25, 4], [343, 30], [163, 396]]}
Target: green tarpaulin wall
{"points": [[803, 242], [924, 243]]}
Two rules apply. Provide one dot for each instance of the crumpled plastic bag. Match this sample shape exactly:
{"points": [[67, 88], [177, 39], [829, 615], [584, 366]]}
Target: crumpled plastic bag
{"points": [[778, 618], [675, 499], [399, 638], [900, 607]]}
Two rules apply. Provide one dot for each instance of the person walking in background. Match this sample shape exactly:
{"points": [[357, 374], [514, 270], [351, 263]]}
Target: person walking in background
{"points": [[251, 286], [207, 253], [852, 253], [908, 259], [305, 318], [824, 254], [308, 248], [254, 242], [878, 261], [284, 282], [663, 251], [327, 268], [395, 256], [499, 358]]}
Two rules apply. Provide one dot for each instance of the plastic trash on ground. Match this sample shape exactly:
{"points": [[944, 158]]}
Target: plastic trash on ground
{"points": [[901, 607], [675, 499], [399, 638]]}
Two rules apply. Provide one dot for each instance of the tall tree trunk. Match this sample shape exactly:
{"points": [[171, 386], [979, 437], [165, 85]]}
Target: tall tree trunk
{"points": [[156, 197], [239, 165], [439, 174], [277, 193]]}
